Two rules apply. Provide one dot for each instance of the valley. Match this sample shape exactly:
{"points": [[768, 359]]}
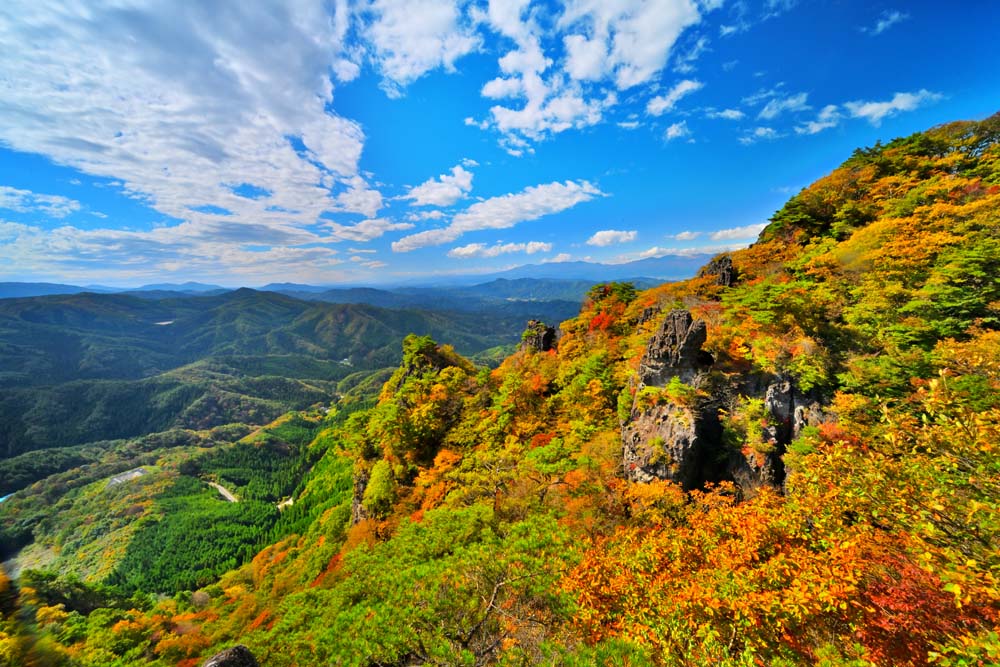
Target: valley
{"points": [[788, 458]]}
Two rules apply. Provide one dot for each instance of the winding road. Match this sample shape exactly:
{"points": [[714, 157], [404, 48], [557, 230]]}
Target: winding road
{"points": [[224, 492]]}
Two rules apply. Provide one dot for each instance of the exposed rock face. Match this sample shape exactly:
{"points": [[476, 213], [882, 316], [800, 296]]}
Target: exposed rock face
{"points": [[675, 350], [669, 441], [683, 441], [358, 512], [672, 442], [790, 411], [723, 270], [237, 656], [648, 314], [538, 337]]}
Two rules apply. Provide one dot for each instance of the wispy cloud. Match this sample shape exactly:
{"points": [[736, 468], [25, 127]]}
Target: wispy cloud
{"points": [[504, 211], [886, 20], [876, 112], [26, 201], [760, 133], [829, 116], [780, 105], [677, 131], [608, 237], [660, 104], [727, 114], [737, 233], [482, 250], [366, 230]]}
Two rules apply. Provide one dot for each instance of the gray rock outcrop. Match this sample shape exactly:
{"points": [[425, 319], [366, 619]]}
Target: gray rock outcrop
{"points": [[682, 439], [669, 440], [723, 270], [237, 656], [538, 337]]}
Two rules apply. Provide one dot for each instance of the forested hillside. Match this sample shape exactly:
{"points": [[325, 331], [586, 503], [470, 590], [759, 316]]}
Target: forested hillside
{"points": [[790, 459], [89, 367]]}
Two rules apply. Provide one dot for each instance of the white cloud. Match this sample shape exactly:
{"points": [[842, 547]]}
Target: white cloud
{"points": [[185, 250], [445, 190], [875, 112], [504, 211], [736, 233], [176, 103], [608, 237], [636, 35], [628, 124], [657, 106], [828, 117], [366, 230], [560, 258], [778, 106], [764, 94], [886, 20], [657, 251], [677, 131], [606, 47], [413, 37], [686, 236], [585, 58], [362, 251], [358, 198], [727, 114], [416, 216], [26, 201], [759, 134], [482, 250], [685, 63]]}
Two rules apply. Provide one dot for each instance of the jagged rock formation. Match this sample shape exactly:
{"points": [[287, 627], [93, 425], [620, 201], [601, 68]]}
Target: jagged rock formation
{"points": [[675, 350], [671, 441], [683, 441], [648, 314], [538, 337], [723, 270], [237, 656]]}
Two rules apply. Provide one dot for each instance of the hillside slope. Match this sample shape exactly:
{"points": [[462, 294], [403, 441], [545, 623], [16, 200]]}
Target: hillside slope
{"points": [[789, 460]]}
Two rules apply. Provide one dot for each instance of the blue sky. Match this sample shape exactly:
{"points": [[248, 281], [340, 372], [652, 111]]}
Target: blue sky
{"points": [[393, 140]]}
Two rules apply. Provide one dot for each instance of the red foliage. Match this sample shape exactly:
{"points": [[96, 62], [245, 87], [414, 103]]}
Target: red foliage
{"points": [[601, 322], [541, 440], [906, 611], [330, 567]]}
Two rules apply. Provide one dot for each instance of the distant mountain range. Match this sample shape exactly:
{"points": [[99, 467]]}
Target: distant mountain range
{"points": [[644, 272]]}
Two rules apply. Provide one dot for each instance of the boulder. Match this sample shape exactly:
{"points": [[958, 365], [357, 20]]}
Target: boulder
{"points": [[723, 270], [237, 656]]}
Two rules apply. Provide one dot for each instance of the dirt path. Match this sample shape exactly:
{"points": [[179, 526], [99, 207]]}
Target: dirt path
{"points": [[224, 492]]}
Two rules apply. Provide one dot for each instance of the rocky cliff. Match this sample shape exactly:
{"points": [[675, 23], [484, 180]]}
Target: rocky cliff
{"points": [[677, 428]]}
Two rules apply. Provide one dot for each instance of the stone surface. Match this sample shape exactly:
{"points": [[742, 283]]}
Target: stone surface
{"points": [[237, 656], [666, 440], [538, 337], [671, 442], [684, 443], [723, 270], [358, 512], [675, 350]]}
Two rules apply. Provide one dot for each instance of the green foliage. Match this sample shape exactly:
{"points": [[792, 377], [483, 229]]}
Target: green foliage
{"points": [[381, 490], [452, 589], [622, 292]]}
